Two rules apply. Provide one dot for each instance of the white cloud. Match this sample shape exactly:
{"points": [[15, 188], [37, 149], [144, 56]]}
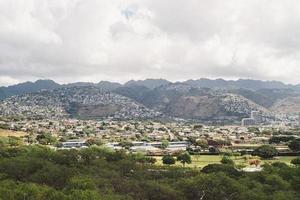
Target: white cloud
{"points": [[78, 40]]}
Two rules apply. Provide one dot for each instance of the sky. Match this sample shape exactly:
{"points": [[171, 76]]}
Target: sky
{"points": [[119, 40]]}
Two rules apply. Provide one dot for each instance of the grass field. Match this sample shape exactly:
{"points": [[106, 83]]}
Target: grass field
{"points": [[6, 133], [200, 161]]}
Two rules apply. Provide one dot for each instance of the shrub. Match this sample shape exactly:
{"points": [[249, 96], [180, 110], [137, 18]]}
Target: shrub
{"points": [[168, 160], [227, 161], [227, 169], [296, 161], [295, 145]]}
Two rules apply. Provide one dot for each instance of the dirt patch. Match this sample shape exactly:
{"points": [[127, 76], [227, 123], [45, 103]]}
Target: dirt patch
{"points": [[6, 133]]}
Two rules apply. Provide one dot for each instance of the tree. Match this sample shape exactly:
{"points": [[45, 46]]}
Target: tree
{"points": [[295, 145], [89, 154], [202, 143], [211, 186], [142, 158], [164, 144], [198, 126], [126, 144], [253, 130], [192, 140], [45, 138], [94, 141], [184, 158], [168, 160], [278, 139], [30, 138], [296, 161], [265, 151], [150, 160], [227, 161], [160, 191], [115, 156]]}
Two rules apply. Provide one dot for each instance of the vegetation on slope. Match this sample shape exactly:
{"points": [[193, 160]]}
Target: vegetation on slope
{"points": [[36, 172]]}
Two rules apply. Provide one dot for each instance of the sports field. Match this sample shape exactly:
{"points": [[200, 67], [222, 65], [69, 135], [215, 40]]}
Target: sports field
{"points": [[200, 161]]}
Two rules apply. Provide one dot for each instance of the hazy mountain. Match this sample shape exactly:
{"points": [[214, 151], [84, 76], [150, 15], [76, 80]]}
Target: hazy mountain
{"points": [[2, 93], [203, 99], [27, 87], [107, 85], [246, 84], [138, 93], [208, 83], [104, 85], [79, 84], [149, 83], [241, 83], [297, 87]]}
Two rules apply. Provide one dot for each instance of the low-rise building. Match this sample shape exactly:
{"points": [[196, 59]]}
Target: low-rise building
{"points": [[74, 144]]}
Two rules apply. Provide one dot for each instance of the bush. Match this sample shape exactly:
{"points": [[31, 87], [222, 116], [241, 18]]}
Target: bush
{"points": [[227, 161], [213, 150], [227, 169], [296, 161], [279, 165], [168, 160]]}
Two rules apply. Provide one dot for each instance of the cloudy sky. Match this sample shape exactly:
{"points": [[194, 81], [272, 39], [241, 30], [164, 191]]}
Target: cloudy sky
{"points": [[118, 40]]}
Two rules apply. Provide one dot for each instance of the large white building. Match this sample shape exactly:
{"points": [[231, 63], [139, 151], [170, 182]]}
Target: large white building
{"points": [[254, 119], [248, 122]]}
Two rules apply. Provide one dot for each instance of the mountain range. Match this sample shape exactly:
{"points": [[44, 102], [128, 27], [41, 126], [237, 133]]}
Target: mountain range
{"points": [[202, 99], [248, 84]]}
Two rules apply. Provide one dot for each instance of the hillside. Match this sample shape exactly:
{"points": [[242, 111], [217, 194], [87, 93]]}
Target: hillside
{"points": [[184, 101], [289, 105], [266, 97], [148, 98], [79, 102]]}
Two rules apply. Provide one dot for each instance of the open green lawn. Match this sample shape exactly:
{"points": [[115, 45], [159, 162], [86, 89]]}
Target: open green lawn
{"points": [[200, 161]]}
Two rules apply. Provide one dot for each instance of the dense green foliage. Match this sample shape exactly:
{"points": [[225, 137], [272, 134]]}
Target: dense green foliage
{"points": [[279, 139], [265, 151], [295, 145], [36, 172]]}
